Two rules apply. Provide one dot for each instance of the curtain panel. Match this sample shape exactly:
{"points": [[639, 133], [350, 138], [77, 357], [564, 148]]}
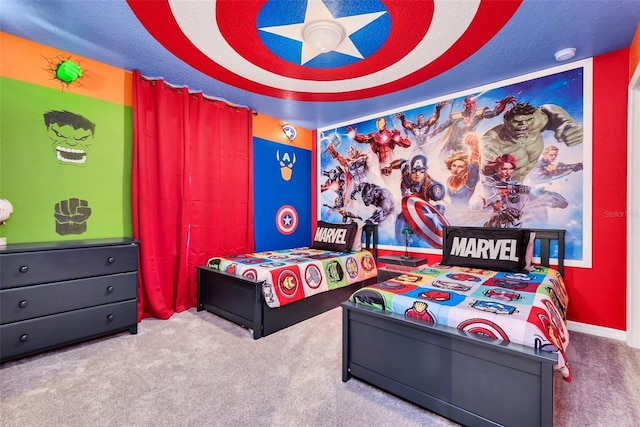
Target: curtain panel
{"points": [[191, 189]]}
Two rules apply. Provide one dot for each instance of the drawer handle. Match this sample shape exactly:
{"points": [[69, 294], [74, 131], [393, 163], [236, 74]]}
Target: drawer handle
{"points": [[24, 338], [23, 303], [111, 260], [111, 317], [24, 269], [110, 289]]}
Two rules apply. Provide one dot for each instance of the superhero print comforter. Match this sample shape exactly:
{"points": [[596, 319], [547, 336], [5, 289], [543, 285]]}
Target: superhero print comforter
{"points": [[289, 275], [527, 309]]}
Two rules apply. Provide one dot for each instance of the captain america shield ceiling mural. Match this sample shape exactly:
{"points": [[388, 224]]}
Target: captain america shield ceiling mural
{"points": [[258, 46]]}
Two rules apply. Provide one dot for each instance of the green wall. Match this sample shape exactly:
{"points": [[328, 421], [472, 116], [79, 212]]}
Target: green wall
{"points": [[41, 187]]}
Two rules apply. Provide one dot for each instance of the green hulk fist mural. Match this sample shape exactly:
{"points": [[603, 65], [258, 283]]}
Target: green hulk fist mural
{"points": [[71, 216]]}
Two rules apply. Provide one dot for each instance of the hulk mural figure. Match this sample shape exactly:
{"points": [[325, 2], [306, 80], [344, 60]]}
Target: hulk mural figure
{"points": [[71, 136], [520, 135]]}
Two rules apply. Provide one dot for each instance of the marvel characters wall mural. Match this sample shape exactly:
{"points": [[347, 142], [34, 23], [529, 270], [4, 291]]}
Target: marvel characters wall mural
{"points": [[511, 154]]}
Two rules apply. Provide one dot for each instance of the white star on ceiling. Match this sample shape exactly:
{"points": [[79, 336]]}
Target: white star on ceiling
{"points": [[317, 10]]}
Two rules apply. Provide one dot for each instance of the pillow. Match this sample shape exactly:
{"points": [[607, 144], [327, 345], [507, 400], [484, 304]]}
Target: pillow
{"points": [[498, 249], [334, 237]]}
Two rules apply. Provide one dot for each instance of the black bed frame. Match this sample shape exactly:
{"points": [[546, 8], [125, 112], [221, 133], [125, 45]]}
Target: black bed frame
{"points": [[241, 301], [456, 374]]}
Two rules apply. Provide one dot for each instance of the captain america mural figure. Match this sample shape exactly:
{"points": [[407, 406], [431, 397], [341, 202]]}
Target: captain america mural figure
{"points": [[415, 179]]}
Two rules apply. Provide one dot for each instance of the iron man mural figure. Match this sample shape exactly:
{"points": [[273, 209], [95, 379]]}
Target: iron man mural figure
{"points": [[382, 142]]}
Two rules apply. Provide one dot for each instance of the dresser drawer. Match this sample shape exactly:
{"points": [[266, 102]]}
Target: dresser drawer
{"points": [[28, 302], [44, 333], [27, 268]]}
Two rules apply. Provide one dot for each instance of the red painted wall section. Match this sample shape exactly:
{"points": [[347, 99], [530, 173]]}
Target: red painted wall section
{"points": [[598, 295]]}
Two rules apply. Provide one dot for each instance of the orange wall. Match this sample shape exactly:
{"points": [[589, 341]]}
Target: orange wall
{"points": [[32, 62], [270, 129]]}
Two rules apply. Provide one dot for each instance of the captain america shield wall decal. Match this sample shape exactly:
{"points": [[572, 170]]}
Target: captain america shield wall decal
{"points": [[286, 219], [248, 45]]}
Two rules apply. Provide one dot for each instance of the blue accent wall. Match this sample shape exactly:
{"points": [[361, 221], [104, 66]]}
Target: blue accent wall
{"points": [[272, 192]]}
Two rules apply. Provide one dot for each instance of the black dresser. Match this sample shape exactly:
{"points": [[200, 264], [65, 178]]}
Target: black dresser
{"points": [[59, 293]]}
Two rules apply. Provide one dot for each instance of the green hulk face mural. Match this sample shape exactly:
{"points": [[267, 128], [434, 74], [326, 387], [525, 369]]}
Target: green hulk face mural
{"points": [[71, 136]]}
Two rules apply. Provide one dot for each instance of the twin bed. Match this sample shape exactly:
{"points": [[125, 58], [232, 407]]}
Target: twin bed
{"points": [[259, 292], [473, 369], [469, 373]]}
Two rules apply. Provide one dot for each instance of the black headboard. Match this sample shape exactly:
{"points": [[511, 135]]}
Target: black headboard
{"points": [[545, 237], [370, 232]]}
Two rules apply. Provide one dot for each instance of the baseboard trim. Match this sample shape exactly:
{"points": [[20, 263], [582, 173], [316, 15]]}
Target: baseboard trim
{"points": [[599, 331]]}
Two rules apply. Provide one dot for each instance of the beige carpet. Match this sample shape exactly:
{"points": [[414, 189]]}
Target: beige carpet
{"points": [[198, 369]]}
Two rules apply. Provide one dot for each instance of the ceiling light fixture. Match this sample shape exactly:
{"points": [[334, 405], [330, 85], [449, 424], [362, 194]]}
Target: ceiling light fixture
{"points": [[323, 35], [565, 54]]}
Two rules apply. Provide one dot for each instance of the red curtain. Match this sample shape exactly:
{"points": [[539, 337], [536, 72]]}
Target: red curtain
{"points": [[191, 189]]}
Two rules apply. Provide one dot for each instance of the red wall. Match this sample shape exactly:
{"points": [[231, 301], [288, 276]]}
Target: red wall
{"points": [[597, 295]]}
